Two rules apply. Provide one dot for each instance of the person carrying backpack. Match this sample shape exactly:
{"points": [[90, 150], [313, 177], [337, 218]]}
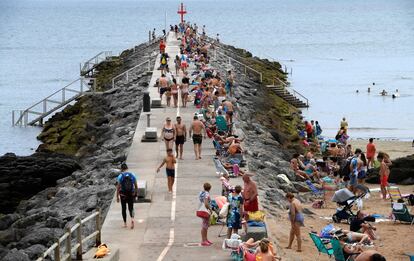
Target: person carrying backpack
{"points": [[126, 190]]}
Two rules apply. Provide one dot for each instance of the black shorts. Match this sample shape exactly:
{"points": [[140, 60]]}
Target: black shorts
{"points": [[197, 138], [230, 113], [179, 140], [170, 172]]}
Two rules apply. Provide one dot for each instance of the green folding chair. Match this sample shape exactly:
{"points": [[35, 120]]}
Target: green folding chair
{"points": [[320, 245], [401, 213]]}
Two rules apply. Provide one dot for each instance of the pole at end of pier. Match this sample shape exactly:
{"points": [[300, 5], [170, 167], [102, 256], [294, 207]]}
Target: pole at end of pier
{"points": [[182, 12]]}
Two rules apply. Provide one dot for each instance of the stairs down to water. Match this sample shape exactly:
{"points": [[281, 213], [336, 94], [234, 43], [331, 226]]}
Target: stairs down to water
{"points": [[291, 96]]}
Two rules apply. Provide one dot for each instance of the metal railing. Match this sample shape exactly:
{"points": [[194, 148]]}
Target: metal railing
{"points": [[90, 65], [291, 91], [232, 60], [37, 112], [286, 69], [66, 239], [127, 74]]}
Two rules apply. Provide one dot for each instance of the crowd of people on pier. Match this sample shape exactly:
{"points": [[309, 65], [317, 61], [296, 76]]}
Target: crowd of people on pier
{"points": [[327, 164]]}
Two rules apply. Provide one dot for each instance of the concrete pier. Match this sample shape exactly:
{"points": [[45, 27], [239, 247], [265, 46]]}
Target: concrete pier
{"points": [[167, 228]]}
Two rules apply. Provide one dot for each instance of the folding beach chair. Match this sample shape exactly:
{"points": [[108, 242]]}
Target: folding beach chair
{"points": [[221, 124], [319, 193], [401, 213], [337, 251], [395, 193], [320, 245]]}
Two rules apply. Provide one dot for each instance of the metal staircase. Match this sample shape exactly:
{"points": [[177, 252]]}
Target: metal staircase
{"points": [[40, 110], [290, 95]]}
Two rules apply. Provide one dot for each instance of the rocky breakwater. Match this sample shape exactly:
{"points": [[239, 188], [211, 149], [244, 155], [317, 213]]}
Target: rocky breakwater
{"points": [[270, 126], [95, 133]]}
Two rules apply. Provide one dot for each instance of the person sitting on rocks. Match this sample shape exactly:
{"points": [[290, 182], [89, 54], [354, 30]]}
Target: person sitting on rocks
{"points": [[234, 148], [297, 166], [311, 170]]}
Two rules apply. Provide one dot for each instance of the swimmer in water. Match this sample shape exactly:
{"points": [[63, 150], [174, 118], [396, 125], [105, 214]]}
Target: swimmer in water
{"points": [[383, 93]]}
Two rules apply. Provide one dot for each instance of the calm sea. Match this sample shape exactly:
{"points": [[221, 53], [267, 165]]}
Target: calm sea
{"points": [[333, 47]]}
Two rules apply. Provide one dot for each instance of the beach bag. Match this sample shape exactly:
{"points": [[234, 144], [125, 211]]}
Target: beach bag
{"points": [[127, 186], [213, 218], [202, 211], [236, 255], [224, 211]]}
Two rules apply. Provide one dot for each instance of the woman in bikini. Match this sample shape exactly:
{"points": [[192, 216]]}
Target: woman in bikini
{"points": [[168, 134], [174, 92], [184, 90]]}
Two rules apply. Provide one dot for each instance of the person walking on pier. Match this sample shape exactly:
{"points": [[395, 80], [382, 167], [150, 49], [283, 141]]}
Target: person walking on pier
{"points": [[164, 61], [371, 149], [162, 46], [168, 134], [180, 137], [197, 131], [126, 191], [169, 161], [184, 89]]}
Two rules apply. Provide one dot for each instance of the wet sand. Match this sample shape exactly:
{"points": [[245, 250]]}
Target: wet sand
{"points": [[395, 239], [396, 149]]}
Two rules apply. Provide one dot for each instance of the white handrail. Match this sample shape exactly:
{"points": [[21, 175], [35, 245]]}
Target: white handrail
{"points": [[67, 237], [92, 62], [230, 59], [126, 73]]}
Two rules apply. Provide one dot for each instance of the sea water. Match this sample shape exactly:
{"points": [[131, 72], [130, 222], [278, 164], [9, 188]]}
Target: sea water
{"points": [[333, 49]]}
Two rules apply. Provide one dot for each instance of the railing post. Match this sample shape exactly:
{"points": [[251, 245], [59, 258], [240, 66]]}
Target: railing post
{"points": [[127, 76], [80, 68], [57, 251], [261, 77], [63, 95], [149, 64], [81, 85], [26, 118], [21, 118], [68, 249], [13, 118], [113, 83], [98, 228], [79, 238], [44, 106]]}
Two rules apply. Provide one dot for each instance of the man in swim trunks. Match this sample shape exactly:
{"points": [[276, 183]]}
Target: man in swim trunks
{"points": [[250, 194], [229, 109], [169, 161], [181, 137], [197, 130]]}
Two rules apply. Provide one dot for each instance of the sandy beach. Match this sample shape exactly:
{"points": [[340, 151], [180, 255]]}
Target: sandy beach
{"points": [[395, 239], [394, 148]]}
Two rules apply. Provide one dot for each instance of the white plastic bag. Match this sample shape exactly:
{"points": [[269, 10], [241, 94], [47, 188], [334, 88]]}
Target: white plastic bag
{"points": [[224, 211]]}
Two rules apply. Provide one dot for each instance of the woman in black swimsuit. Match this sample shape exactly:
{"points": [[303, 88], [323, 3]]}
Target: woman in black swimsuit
{"points": [[168, 134]]}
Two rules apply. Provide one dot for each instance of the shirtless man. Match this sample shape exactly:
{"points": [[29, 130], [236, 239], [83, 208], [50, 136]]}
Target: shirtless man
{"points": [[369, 255], [296, 164], [197, 131], [250, 194], [229, 110], [162, 85], [181, 137], [169, 161]]}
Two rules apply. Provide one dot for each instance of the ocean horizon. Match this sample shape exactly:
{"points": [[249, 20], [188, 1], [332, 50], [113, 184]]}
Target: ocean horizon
{"points": [[332, 48]]}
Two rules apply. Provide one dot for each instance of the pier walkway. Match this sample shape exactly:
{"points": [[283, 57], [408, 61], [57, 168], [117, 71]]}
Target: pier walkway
{"points": [[166, 228]]}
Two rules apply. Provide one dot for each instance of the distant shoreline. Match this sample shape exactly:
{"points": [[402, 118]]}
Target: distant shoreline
{"points": [[395, 148]]}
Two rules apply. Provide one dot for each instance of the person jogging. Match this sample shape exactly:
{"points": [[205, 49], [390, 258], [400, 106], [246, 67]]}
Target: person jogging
{"points": [[126, 190]]}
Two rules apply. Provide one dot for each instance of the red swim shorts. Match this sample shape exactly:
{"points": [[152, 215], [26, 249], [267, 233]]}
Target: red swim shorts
{"points": [[384, 181]]}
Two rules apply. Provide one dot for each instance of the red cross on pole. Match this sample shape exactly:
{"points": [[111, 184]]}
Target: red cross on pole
{"points": [[182, 12]]}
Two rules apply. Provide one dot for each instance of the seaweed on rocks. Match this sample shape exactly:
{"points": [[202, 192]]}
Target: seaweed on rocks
{"points": [[96, 133]]}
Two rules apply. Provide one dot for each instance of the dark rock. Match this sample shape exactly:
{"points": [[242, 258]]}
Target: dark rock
{"points": [[16, 255], [301, 186], [7, 220], [35, 251]]}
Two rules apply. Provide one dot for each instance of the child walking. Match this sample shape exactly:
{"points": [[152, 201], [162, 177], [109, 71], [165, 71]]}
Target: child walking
{"points": [[169, 161]]}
